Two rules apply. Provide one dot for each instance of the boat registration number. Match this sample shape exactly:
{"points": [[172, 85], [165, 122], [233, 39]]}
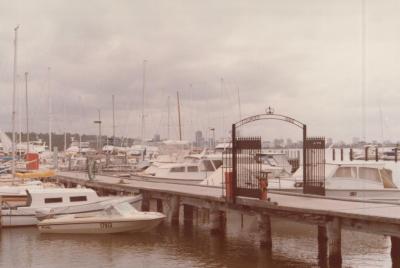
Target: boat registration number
{"points": [[105, 225]]}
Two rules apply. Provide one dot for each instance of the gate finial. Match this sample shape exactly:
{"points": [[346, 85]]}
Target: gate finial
{"points": [[270, 110]]}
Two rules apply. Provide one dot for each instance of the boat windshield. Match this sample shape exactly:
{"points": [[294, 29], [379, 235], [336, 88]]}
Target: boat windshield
{"points": [[367, 173], [124, 209]]}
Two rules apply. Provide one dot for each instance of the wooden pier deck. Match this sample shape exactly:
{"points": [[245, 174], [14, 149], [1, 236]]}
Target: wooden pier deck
{"points": [[330, 215]]}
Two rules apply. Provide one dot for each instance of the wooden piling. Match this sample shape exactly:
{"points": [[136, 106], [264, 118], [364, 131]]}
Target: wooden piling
{"points": [[216, 221], [322, 247], [160, 205], [1, 205], [333, 231], [188, 214], [395, 251], [145, 201], [173, 211], [264, 231]]}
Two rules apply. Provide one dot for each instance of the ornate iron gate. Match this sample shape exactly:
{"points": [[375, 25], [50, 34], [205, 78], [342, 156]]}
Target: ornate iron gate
{"points": [[246, 167], [314, 164]]}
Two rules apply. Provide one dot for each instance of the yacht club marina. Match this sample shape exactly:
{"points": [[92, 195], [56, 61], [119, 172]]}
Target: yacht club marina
{"points": [[327, 214], [204, 135]]}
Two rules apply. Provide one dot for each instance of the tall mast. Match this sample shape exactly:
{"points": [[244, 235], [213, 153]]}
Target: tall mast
{"points": [[65, 128], [179, 117], [100, 144], [363, 69], [113, 108], [143, 91], [168, 126], [223, 108], [27, 112], [50, 108], [19, 113], [13, 100]]}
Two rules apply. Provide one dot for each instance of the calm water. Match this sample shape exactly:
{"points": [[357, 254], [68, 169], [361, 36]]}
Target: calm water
{"points": [[294, 245]]}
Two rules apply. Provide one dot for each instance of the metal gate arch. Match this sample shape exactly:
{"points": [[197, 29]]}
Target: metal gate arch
{"points": [[270, 115]]}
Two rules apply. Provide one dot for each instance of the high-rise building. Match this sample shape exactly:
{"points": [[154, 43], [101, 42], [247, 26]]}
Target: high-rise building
{"points": [[199, 139]]}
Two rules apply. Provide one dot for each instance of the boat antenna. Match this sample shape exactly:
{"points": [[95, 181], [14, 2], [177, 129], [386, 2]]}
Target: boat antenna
{"points": [[13, 100]]}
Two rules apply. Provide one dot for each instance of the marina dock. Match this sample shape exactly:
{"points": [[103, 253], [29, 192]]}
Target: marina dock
{"points": [[329, 215]]}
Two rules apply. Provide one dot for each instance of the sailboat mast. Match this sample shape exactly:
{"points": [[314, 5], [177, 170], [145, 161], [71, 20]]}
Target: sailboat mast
{"points": [[50, 108], [113, 108], [223, 107], [168, 122], [363, 70], [143, 91], [13, 100], [27, 112], [179, 117], [65, 129]]}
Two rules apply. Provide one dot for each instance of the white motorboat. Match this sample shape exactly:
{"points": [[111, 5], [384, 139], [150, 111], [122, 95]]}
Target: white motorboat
{"points": [[23, 210], [121, 217], [193, 170]]}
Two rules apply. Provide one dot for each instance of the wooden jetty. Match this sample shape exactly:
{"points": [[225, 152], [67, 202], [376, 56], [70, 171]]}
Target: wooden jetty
{"points": [[328, 214]]}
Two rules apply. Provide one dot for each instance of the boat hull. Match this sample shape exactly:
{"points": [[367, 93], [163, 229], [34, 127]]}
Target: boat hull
{"points": [[29, 216], [101, 227]]}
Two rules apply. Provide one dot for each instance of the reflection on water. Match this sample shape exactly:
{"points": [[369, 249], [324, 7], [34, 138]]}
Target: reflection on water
{"points": [[294, 245]]}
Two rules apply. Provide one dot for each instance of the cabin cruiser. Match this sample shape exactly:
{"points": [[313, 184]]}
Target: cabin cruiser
{"points": [[371, 181], [23, 210], [193, 170], [37, 146], [77, 147], [116, 218]]}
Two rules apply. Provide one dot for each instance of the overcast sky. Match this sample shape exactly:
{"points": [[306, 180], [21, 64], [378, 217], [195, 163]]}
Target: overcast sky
{"points": [[301, 57]]}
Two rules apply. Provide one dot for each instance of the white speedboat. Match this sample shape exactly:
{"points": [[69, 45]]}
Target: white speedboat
{"points": [[56, 201], [118, 218]]}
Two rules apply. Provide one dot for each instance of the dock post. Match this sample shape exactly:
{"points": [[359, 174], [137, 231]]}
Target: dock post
{"points": [[145, 201], [264, 231], [322, 246], [159, 205], [216, 220], [1, 205], [395, 251], [173, 211], [334, 233], [188, 214]]}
